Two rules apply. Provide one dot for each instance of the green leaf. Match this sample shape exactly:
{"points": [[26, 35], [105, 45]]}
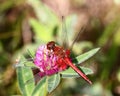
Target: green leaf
{"points": [[53, 82], [23, 75], [71, 73], [26, 64], [40, 89], [85, 56]]}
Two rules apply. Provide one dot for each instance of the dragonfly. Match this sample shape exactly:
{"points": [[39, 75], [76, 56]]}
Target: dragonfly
{"points": [[51, 59], [64, 58]]}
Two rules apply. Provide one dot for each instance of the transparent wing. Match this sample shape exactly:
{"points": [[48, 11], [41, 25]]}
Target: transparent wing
{"points": [[64, 33], [77, 36]]}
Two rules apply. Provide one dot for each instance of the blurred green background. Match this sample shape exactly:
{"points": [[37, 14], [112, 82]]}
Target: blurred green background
{"points": [[25, 24]]}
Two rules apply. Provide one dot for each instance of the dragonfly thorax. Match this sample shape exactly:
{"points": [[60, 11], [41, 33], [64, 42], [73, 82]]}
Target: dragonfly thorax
{"points": [[57, 50]]}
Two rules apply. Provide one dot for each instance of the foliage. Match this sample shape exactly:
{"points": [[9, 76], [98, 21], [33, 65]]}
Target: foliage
{"points": [[24, 25]]}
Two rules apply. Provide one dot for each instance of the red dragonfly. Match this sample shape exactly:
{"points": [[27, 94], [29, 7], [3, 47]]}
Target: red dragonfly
{"points": [[64, 58], [51, 59]]}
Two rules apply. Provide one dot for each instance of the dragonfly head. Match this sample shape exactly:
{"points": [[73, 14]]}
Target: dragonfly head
{"points": [[50, 45]]}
